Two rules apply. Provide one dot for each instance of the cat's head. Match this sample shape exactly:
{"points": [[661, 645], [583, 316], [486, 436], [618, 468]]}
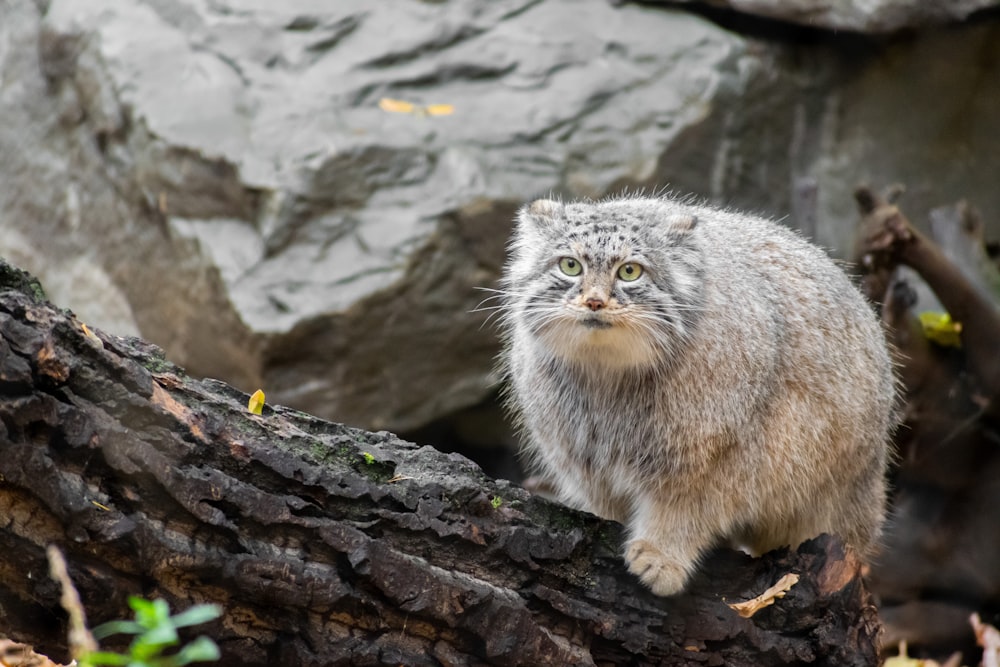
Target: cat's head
{"points": [[611, 284]]}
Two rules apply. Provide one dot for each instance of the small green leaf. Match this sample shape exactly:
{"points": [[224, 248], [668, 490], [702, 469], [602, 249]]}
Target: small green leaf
{"points": [[163, 634], [117, 627], [104, 658], [496, 501], [201, 649], [200, 613], [156, 630], [140, 605], [369, 459], [149, 613]]}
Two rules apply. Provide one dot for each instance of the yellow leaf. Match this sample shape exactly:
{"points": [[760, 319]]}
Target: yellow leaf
{"points": [[256, 403], [395, 106], [439, 109], [939, 329], [401, 106]]}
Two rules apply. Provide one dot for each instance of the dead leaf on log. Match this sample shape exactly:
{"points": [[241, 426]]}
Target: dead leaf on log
{"points": [[49, 363], [750, 607]]}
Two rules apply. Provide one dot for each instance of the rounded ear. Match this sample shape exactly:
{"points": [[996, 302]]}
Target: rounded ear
{"points": [[678, 223], [685, 223], [541, 212]]}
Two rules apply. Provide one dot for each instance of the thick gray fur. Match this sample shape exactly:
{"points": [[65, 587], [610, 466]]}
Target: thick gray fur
{"points": [[739, 391]]}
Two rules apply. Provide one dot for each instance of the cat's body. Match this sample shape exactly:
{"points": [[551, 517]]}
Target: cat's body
{"points": [[702, 376]]}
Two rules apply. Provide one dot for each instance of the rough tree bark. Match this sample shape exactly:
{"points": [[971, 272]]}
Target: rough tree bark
{"points": [[328, 545]]}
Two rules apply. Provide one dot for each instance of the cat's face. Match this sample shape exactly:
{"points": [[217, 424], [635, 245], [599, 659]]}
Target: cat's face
{"points": [[607, 285]]}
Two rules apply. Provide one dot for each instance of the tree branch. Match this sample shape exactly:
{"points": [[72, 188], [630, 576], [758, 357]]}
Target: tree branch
{"points": [[889, 239]]}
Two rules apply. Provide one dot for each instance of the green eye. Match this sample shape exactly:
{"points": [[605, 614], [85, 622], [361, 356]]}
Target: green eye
{"points": [[629, 272], [570, 266]]}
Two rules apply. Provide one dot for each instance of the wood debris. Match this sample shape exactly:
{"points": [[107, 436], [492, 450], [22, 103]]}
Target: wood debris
{"points": [[767, 598]]}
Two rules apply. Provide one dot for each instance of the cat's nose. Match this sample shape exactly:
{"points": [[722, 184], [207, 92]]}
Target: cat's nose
{"points": [[594, 303]]}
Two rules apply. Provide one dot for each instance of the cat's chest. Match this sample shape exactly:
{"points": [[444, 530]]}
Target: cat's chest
{"points": [[599, 409]]}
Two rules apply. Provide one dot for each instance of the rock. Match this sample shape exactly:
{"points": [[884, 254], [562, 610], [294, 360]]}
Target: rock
{"points": [[269, 224], [220, 177], [874, 17]]}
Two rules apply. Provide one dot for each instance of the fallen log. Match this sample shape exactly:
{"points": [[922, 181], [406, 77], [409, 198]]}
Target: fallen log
{"points": [[329, 545]]}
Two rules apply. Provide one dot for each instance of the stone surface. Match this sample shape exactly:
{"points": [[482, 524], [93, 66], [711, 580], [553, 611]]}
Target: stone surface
{"points": [[219, 176], [232, 173], [867, 16]]}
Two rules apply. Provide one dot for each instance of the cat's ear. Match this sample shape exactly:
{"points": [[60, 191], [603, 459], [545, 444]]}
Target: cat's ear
{"points": [[542, 212], [682, 224], [686, 223]]}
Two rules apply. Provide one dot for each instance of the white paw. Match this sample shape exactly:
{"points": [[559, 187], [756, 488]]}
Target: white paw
{"points": [[663, 575]]}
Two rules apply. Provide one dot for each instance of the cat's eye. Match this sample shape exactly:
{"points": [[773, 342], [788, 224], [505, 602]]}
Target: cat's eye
{"points": [[570, 266], [629, 272]]}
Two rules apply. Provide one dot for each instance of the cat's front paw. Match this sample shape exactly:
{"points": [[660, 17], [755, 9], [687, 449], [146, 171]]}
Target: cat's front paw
{"points": [[663, 575]]}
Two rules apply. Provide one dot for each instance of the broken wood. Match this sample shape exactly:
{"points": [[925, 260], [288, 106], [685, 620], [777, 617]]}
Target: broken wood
{"points": [[888, 240], [330, 545]]}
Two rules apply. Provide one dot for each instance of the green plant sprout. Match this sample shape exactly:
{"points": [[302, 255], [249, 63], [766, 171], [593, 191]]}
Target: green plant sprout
{"points": [[369, 459], [155, 631], [496, 501]]}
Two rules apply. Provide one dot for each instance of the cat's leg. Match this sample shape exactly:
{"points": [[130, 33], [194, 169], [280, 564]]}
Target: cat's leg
{"points": [[581, 489], [666, 541]]}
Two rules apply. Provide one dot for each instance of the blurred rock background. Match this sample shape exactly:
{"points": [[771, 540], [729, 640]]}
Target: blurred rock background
{"points": [[217, 176]]}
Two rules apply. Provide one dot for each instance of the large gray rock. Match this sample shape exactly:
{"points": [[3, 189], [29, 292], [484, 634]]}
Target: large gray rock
{"points": [[219, 176], [867, 16], [227, 171]]}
